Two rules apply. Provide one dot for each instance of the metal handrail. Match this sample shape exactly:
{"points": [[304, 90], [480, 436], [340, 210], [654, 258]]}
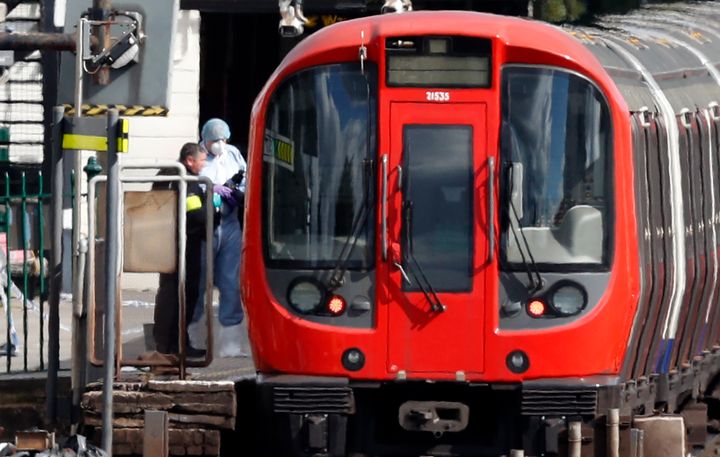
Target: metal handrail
{"points": [[182, 178], [383, 208], [491, 209]]}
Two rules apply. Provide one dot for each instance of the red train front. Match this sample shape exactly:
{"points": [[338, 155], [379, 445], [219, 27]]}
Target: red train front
{"points": [[441, 249]]}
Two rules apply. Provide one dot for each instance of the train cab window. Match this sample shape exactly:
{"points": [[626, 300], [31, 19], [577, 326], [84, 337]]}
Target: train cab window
{"points": [[318, 186], [438, 231], [556, 144]]}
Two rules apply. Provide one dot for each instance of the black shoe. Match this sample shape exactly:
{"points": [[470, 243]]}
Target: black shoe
{"points": [[193, 353]]}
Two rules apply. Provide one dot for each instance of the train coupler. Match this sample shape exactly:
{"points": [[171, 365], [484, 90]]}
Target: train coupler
{"points": [[436, 417]]}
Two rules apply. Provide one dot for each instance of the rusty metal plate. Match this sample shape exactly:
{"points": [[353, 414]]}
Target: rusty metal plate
{"points": [[150, 232]]}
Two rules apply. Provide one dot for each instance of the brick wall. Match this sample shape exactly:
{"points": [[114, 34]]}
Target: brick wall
{"points": [[195, 442]]}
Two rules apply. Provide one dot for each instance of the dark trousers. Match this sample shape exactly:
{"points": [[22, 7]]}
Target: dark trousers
{"points": [[165, 330]]}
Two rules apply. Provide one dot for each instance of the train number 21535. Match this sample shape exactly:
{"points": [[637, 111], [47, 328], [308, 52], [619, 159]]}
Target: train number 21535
{"points": [[437, 96]]}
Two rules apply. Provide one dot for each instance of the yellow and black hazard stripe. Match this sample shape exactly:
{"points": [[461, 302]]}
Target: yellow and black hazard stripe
{"points": [[84, 142], [123, 110], [123, 135], [82, 134]]}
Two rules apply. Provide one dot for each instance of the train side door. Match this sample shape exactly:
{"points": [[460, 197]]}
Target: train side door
{"points": [[436, 193]]}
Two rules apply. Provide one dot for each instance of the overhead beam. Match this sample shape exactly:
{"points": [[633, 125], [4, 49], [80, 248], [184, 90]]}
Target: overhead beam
{"points": [[270, 6]]}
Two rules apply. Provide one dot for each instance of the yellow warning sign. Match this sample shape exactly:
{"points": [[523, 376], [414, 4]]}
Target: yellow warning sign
{"points": [[279, 150]]}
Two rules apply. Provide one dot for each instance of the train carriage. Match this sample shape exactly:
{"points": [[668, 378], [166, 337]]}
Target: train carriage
{"points": [[467, 234]]}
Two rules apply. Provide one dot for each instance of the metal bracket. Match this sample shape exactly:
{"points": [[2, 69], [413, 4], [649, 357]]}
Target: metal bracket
{"points": [[124, 49], [645, 116], [686, 118]]}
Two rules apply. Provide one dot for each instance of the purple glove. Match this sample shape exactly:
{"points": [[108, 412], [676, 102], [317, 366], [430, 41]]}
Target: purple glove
{"points": [[226, 194], [223, 191]]}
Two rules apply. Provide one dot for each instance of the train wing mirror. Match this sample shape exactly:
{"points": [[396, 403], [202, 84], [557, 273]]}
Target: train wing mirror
{"points": [[516, 177]]}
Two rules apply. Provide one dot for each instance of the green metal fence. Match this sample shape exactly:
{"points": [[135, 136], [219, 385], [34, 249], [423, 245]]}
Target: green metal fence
{"points": [[24, 244]]}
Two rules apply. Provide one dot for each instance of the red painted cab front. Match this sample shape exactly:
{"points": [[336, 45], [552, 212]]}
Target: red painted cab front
{"points": [[441, 199]]}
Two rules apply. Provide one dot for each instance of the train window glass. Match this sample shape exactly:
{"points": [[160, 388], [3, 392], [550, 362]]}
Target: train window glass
{"points": [[438, 71], [438, 62], [556, 130], [318, 186], [438, 191]]}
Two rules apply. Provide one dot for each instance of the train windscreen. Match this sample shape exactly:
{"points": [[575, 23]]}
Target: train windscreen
{"points": [[556, 145], [318, 187]]}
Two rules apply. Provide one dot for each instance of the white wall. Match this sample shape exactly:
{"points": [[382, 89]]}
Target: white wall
{"points": [[23, 83]]}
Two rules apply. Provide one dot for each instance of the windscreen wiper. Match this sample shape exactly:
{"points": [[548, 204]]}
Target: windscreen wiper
{"points": [[422, 280], [337, 276], [535, 282]]}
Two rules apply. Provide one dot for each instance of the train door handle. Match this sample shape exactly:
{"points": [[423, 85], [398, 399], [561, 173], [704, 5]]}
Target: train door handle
{"points": [[396, 260], [402, 272], [383, 207], [491, 209]]}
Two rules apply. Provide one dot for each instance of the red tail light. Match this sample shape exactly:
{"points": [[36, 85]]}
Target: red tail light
{"points": [[336, 305], [536, 308]]}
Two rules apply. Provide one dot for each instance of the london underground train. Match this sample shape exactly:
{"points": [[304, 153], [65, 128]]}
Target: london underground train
{"points": [[468, 234]]}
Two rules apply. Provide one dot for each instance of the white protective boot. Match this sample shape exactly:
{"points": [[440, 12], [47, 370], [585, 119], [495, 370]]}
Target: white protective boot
{"points": [[197, 332], [230, 344]]}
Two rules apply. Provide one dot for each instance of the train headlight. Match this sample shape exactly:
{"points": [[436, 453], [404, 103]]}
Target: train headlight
{"points": [[305, 295], [568, 299], [353, 359], [517, 361]]}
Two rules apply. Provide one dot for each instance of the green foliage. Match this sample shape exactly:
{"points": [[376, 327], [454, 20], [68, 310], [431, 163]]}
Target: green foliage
{"points": [[561, 10]]}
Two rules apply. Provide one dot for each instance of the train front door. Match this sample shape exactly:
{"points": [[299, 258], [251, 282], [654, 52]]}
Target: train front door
{"points": [[436, 192]]}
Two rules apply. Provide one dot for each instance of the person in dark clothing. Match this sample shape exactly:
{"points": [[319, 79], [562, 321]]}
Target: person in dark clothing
{"points": [[238, 194], [165, 329]]}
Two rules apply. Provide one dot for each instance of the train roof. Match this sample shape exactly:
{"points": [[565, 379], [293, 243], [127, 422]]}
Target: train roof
{"points": [[676, 46], [515, 33], [672, 47]]}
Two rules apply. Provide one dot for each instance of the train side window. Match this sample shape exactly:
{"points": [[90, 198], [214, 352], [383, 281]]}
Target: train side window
{"points": [[642, 204], [556, 128]]}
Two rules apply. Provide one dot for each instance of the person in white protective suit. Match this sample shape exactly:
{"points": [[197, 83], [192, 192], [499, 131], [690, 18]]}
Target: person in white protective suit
{"points": [[225, 167]]}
